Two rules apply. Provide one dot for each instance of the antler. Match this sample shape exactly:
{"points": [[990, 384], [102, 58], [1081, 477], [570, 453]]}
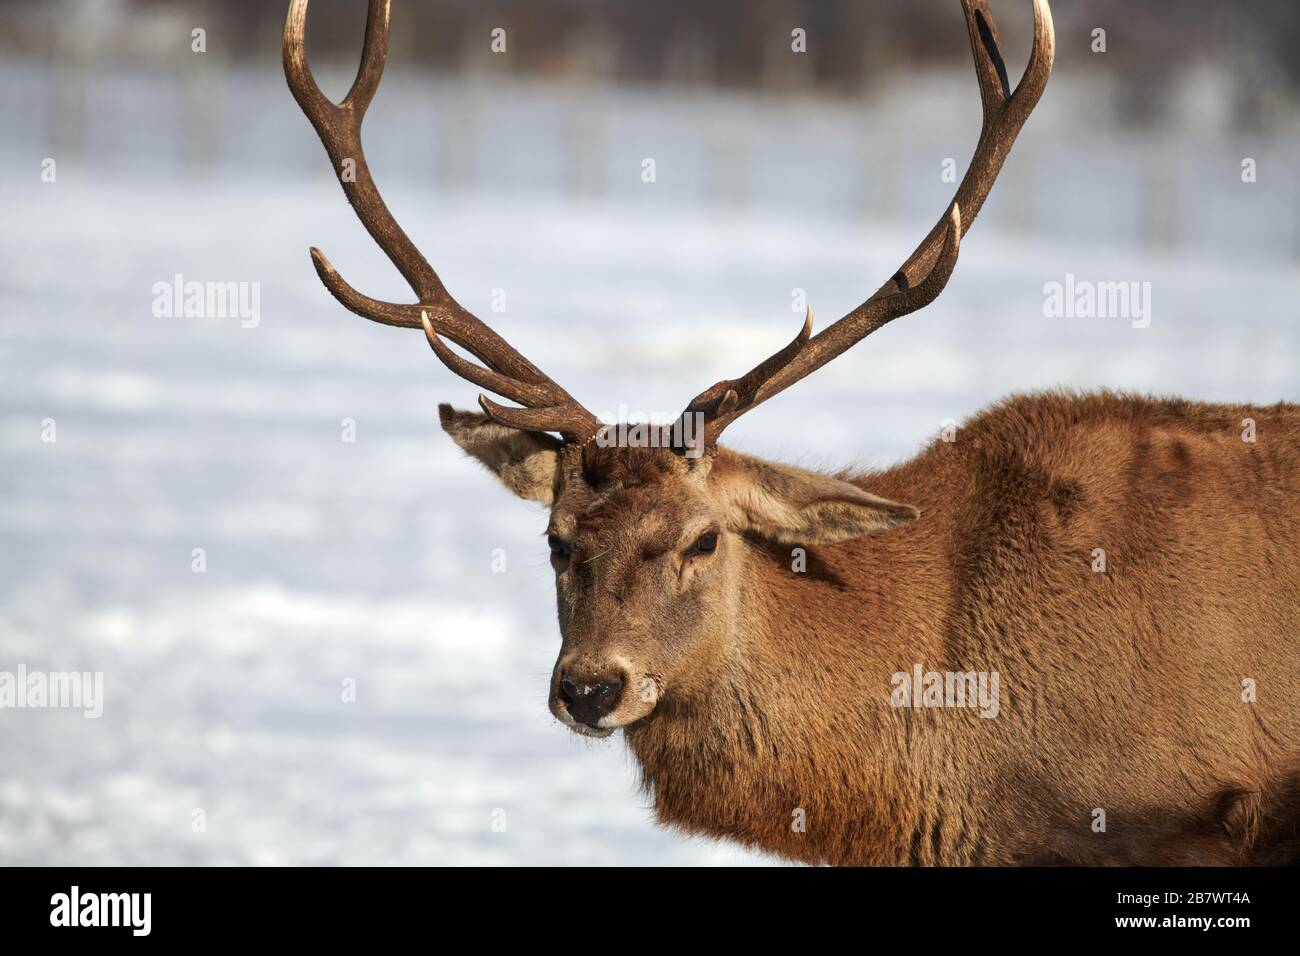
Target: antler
{"points": [[547, 406], [925, 273]]}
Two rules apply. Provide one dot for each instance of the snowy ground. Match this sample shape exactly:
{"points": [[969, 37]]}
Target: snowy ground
{"points": [[371, 561]]}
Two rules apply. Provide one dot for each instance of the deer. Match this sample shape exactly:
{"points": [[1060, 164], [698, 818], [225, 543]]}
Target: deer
{"points": [[778, 645]]}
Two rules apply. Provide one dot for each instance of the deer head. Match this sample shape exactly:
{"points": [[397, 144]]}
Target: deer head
{"points": [[650, 544]]}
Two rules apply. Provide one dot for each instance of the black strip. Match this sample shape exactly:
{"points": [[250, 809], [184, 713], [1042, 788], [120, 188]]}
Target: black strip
{"points": [[991, 48], [303, 905], [900, 280]]}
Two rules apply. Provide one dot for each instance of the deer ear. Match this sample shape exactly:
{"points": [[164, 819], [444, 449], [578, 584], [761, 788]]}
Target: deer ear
{"points": [[794, 506], [525, 462]]}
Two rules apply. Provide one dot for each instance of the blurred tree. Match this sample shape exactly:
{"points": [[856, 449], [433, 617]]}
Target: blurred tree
{"points": [[1152, 44]]}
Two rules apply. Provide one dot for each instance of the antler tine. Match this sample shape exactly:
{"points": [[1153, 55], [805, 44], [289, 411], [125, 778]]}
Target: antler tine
{"points": [[926, 271], [534, 395], [572, 421], [506, 371], [339, 127], [729, 394], [727, 401], [1004, 113]]}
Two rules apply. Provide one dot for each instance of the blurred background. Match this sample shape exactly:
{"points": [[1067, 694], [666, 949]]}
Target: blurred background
{"points": [[345, 542]]}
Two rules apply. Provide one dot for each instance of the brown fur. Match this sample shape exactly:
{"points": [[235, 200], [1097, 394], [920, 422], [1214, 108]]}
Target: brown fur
{"points": [[1120, 691]]}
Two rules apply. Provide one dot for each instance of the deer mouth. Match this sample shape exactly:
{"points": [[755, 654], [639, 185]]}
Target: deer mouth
{"points": [[600, 733], [586, 730]]}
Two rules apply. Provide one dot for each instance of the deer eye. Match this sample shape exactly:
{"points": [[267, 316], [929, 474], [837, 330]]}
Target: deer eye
{"points": [[706, 543], [561, 550]]}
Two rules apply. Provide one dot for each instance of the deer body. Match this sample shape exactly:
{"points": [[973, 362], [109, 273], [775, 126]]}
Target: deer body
{"points": [[1122, 689], [1145, 709]]}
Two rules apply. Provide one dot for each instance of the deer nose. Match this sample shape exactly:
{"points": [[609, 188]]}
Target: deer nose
{"points": [[589, 699]]}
